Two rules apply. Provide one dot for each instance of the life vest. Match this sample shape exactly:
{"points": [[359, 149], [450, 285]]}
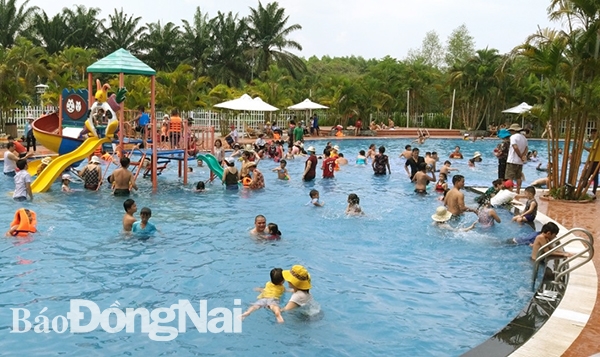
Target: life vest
{"points": [[24, 226], [174, 127], [246, 181]]}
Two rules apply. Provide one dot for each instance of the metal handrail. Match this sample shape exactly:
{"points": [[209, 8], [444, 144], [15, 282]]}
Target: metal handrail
{"points": [[589, 248]]}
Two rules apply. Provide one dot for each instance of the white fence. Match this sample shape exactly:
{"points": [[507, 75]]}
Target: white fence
{"points": [[241, 120]]}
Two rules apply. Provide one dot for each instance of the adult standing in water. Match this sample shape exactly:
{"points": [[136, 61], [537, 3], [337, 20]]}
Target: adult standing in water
{"points": [[310, 166], [455, 200], [501, 152], [91, 174], [517, 155], [381, 162], [260, 224]]}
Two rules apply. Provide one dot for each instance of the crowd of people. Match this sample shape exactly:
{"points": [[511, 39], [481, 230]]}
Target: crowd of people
{"points": [[511, 154]]}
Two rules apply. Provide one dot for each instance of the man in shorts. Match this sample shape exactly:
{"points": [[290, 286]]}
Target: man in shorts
{"points": [[122, 179], [517, 155]]}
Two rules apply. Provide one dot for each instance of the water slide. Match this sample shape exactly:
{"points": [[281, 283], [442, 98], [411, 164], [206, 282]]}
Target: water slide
{"points": [[212, 163], [59, 164]]}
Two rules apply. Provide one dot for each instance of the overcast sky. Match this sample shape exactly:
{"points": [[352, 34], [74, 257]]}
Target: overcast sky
{"points": [[371, 29]]}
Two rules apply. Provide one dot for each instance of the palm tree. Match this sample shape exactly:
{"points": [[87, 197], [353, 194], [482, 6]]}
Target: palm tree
{"points": [[226, 63], [123, 32], [162, 46], [85, 25], [52, 34], [196, 41], [268, 33], [13, 20]]}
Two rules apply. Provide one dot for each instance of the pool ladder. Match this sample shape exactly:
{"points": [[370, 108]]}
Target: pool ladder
{"points": [[563, 268]]}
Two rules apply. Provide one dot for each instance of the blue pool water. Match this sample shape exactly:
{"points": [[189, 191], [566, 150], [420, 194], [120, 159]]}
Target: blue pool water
{"points": [[388, 283]]}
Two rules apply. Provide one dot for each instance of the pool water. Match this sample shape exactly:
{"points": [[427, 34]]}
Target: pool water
{"points": [[388, 283]]}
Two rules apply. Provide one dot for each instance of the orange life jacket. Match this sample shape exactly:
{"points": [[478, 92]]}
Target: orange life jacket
{"points": [[246, 181], [24, 226]]}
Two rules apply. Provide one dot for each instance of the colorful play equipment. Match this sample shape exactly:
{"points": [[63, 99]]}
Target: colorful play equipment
{"points": [[49, 131]]}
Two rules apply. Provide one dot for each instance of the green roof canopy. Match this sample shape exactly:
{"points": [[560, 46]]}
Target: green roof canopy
{"points": [[121, 61]]}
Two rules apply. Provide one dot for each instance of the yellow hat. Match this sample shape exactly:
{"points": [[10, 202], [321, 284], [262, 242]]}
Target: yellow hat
{"points": [[298, 276], [47, 160]]}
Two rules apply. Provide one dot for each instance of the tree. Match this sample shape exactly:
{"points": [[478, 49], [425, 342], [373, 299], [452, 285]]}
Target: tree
{"points": [[123, 32], [13, 20], [85, 24], [268, 33], [163, 46], [226, 62], [460, 46], [52, 34], [431, 52], [196, 41]]}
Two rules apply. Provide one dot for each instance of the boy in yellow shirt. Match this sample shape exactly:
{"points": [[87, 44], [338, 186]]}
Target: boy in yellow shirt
{"points": [[270, 295]]}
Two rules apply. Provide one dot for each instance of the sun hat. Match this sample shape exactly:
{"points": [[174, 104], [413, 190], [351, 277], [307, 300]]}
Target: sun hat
{"points": [[515, 127], [249, 147], [476, 154], [336, 148], [95, 160], [508, 184], [230, 160], [29, 117], [311, 149], [503, 133], [298, 276], [46, 160], [441, 214], [166, 116], [66, 177]]}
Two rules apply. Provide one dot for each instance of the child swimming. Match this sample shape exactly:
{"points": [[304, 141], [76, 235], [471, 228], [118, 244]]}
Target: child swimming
{"points": [[314, 199], [282, 172], [200, 186], [274, 233], [269, 295], [361, 159], [143, 226], [353, 205]]}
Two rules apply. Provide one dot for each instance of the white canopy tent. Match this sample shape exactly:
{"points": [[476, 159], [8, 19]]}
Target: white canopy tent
{"points": [[520, 110], [245, 102]]}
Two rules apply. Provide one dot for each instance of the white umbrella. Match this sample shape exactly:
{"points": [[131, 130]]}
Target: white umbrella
{"points": [[240, 103], [307, 104], [260, 105], [519, 109]]}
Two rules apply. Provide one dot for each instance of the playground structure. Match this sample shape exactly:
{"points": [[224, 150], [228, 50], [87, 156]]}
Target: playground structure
{"points": [[49, 131]]}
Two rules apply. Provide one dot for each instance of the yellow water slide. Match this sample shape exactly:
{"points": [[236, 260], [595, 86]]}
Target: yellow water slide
{"points": [[45, 179]]}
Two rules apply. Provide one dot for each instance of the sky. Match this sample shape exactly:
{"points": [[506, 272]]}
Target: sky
{"points": [[371, 29]]}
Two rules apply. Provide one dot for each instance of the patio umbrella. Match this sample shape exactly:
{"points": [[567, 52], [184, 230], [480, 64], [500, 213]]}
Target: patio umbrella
{"points": [[259, 105], [519, 109], [236, 104], [307, 104]]}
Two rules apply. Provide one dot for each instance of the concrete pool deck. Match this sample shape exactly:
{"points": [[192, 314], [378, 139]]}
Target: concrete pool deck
{"points": [[574, 328]]}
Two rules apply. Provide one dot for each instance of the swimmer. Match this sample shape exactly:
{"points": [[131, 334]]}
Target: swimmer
{"points": [[546, 236], [456, 154], [128, 219], [144, 226], [441, 218], [441, 185], [421, 179], [282, 172], [540, 168], [66, 180], [269, 295], [476, 158], [361, 159], [407, 153], [341, 160], [260, 224], [200, 186], [23, 224], [298, 280], [314, 199], [445, 169], [486, 215], [274, 232], [354, 205]]}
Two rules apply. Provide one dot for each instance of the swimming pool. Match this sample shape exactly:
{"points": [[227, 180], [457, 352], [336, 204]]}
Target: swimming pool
{"points": [[388, 283]]}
